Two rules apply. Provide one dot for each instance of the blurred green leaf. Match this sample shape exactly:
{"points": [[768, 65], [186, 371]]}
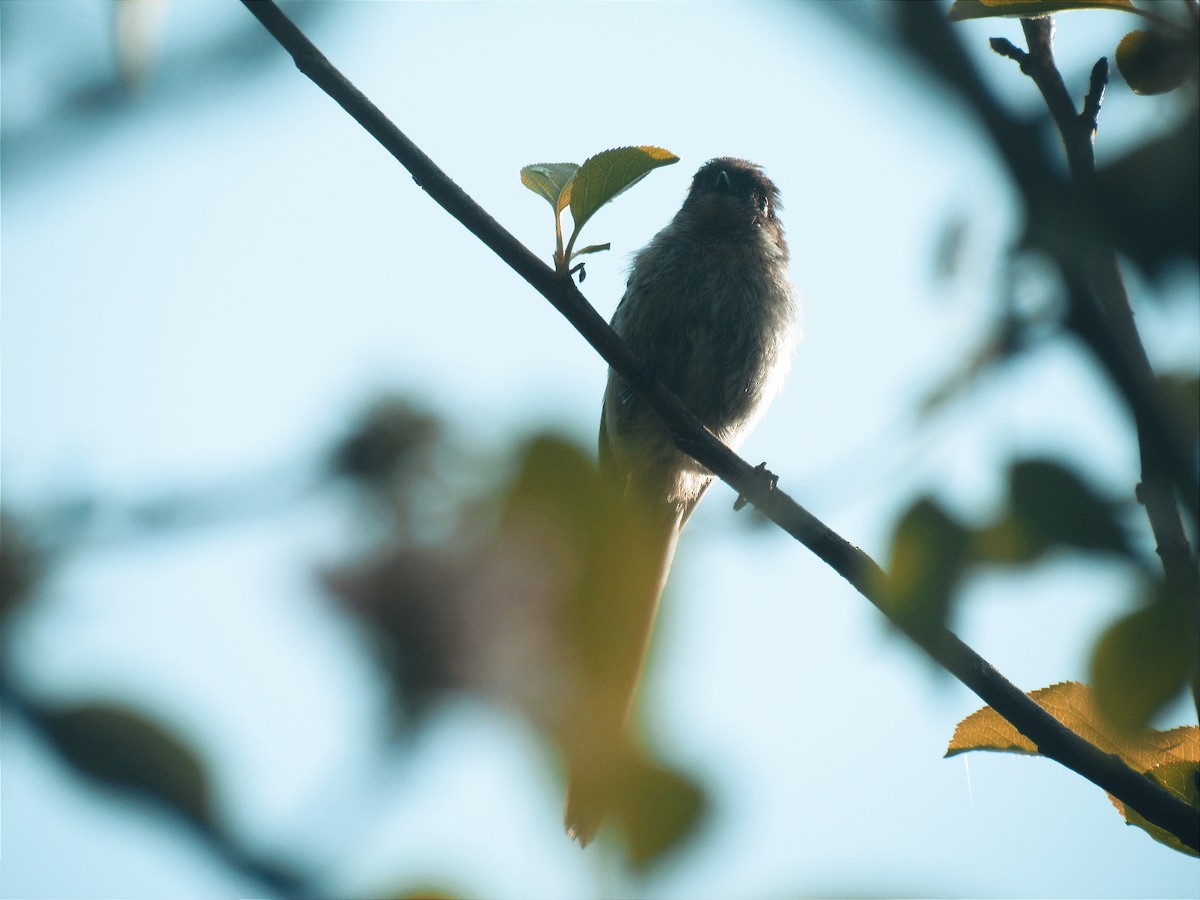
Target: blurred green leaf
{"points": [[1144, 660], [1149, 199], [1182, 394], [609, 174], [1026, 9], [607, 551], [1152, 62], [122, 749], [658, 810], [929, 554], [1180, 778], [550, 180], [1055, 507]]}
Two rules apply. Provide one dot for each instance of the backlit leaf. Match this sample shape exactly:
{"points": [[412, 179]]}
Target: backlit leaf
{"points": [[1027, 9], [1180, 778], [550, 180], [607, 175], [1072, 704]]}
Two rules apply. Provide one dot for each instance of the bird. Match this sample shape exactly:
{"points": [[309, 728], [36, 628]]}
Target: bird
{"points": [[710, 309]]}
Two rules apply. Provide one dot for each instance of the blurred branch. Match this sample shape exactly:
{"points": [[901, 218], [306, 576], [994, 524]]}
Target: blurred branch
{"points": [[1053, 739], [276, 880], [1061, 218], [1095, 285]]}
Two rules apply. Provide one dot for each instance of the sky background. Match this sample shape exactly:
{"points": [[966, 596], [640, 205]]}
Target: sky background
{"points": [[205, 281]]}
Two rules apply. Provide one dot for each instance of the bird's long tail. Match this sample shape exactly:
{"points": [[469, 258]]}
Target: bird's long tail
{"points": [[619, 640]]}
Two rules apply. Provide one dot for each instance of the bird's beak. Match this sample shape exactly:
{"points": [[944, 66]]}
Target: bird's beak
{"points": [[723, 183]]}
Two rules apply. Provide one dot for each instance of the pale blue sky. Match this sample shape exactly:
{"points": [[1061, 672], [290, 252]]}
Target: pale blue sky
{"points": [[211, 281]]}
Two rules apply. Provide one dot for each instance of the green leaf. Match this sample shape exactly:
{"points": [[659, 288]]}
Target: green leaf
{"points": [[607, 175], [550, 180], [1151, 62], [929, 554], [1028, 9], [1181, 778], [591, 248], [658, 810], [592, 556], [122, 749], [1053, 506], [1143, 661]]}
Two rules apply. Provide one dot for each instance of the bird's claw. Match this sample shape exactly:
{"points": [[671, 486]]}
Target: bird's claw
{"points": [[642, 378], [761, 474]]}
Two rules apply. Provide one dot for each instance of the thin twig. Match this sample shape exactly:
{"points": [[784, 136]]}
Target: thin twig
{"points": [[1054, 739], [276, 879]]}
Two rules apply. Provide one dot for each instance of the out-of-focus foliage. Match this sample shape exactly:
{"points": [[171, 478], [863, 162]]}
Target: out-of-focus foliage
{"points": [[1154, 62], [1148, 204], [1170, 757], [535, 612]]}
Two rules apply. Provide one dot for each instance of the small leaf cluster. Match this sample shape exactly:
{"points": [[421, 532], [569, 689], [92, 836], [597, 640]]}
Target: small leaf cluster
{"points": [[586, 188]]}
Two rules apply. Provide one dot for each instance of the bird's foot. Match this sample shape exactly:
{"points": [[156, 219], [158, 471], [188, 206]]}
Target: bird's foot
{"points": [[763, 476], [643, 378]]}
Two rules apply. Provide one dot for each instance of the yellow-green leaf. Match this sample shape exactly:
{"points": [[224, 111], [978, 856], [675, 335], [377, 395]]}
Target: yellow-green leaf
{"points": [[1180, 778], [1143, 661], [606, 175], [1153, 63], [1169, 757], [1072, 704], [550, 180], [658, 809], [929, 552], [1028, 9]]}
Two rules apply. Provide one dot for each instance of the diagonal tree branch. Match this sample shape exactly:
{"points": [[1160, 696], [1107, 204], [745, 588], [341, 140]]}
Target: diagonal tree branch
{"points": [[1052, 738]]}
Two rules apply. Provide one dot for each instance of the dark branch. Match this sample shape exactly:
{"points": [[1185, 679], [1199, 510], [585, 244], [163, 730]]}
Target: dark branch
{"points": [[277, 880], [1056, 741]]}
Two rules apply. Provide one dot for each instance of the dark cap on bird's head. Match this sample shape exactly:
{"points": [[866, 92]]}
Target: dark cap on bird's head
{"points": [[726, 179]]}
